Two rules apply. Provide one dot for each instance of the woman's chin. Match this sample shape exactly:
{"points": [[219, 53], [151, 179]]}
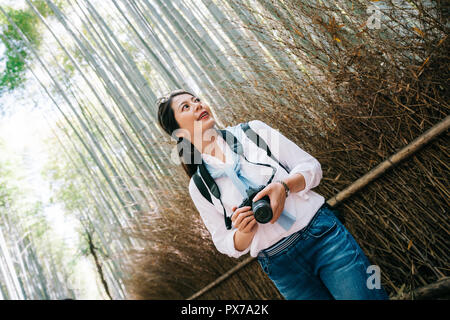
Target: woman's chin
{"points": [[208, 123]]}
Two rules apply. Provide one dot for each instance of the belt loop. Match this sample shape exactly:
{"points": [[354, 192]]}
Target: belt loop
{"points": [[263, 255]]}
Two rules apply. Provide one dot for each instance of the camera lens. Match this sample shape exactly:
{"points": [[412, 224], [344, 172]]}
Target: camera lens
{"points": [[262, 211]]}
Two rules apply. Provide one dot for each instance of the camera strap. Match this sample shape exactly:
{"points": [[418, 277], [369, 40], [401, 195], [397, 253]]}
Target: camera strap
{"points": [[202, 178]]}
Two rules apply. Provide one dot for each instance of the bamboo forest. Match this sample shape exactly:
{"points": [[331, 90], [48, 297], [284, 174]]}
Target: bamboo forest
{"points": [[94, 202]]}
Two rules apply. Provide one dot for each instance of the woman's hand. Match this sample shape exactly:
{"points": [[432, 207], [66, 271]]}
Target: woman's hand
{"points": [[277, 196], [243, 219]]}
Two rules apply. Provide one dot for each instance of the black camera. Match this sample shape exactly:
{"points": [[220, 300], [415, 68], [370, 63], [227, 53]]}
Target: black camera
{"points": [[261, 208]]}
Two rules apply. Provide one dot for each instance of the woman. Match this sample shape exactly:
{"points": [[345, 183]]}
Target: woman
{"points": [[304, 249]]}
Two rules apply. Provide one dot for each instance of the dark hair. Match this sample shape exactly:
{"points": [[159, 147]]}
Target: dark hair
{"points": [[186, 150]]}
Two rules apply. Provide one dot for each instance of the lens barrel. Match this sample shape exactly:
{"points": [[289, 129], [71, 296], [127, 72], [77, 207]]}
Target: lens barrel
{"points": [[262, 211]]}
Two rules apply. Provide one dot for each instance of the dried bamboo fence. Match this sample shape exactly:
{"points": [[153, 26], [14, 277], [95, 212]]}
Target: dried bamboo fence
{"points": [[437, 289], [362, 95]]}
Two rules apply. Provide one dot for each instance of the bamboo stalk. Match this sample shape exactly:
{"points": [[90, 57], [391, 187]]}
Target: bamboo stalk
{"points": [[440, 288], [223, 277], [396, 158]]}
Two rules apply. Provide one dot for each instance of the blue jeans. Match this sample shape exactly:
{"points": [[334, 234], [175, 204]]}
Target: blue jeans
{"points": [[324, 262]]}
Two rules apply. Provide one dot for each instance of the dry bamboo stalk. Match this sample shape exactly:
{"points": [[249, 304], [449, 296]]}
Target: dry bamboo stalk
{"points": [[222, 278], [431, 291], [396, 158]]}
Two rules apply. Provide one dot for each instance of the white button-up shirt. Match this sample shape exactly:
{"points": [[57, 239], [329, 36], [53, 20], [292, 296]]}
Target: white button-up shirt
{"points": [[303, 204]]}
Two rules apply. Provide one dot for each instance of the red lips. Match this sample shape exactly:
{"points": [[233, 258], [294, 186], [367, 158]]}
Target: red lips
{"points": [[202, 114]]}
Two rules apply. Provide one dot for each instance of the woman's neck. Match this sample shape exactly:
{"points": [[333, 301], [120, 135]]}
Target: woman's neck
{"points": [[210, 143]]}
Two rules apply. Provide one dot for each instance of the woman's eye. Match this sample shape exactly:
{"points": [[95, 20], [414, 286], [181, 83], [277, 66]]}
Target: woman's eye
{"points": [[185, 106]]}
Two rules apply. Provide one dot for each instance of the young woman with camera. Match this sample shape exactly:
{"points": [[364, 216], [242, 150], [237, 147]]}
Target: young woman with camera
{"points": [[300, 243]]}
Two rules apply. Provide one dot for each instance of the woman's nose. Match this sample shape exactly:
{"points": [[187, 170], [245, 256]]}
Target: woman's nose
{"points": [[198, 105]]}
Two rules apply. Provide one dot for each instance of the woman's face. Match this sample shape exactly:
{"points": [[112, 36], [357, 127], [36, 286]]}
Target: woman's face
{"points": [[193, 116]]}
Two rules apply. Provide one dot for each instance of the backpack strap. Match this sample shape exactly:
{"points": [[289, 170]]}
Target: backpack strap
{"points": [[252, 135], [213, 188], [201, 186]]}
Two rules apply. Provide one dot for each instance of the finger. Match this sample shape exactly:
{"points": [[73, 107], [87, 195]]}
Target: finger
{"points": [[235, 213], [241, 217], [243, 209], [250, 226], [238, 219], [239, 211], [274, 206], [277, 213], [245, 222], [233, 209], [260, 194], [274, 218]]}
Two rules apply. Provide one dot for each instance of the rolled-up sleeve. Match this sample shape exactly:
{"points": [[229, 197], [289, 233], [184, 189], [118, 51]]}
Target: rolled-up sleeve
{"points": [[214, 221], [290, 155]]}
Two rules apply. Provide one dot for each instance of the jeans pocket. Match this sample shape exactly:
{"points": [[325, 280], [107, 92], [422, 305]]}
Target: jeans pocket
{"points": [[321, 225], [265, 265]]}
